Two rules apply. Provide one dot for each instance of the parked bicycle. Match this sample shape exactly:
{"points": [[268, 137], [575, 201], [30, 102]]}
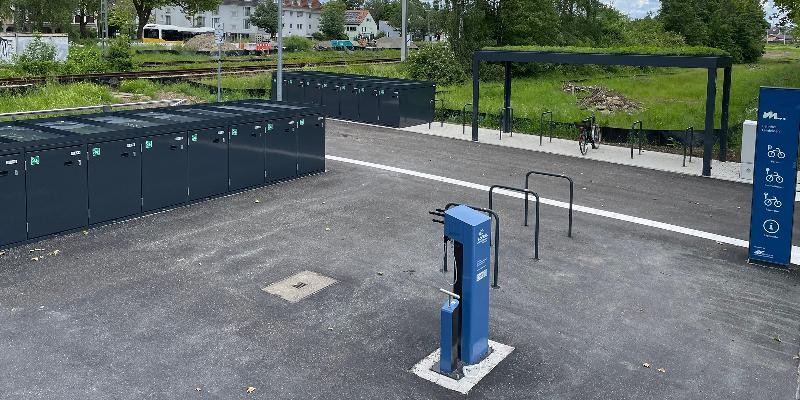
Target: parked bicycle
{"points": [[589, 134]]}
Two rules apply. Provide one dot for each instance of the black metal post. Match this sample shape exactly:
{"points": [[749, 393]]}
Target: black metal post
{"points": [[476, 88], [726, 103], [691, 143], [571, 194], [708, 135], [527, 193], [550, 126], [507, 99], [464, 118]]}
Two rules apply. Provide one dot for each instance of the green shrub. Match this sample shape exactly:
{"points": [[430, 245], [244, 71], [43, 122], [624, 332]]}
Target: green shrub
{"points": [[435, 62], [119, 55], [39, 58], [297, 43], [84, 59], [139, 86], [318, 36]]}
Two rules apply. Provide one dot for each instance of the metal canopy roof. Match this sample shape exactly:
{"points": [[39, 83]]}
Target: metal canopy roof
{"points": [[636, 60]]}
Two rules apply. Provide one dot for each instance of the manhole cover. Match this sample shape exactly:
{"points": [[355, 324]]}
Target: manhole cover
{"points": [[299, 286]]}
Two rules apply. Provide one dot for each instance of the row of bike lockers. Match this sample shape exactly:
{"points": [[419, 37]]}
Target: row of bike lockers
{"points": [[67, 173], [390, 102]]}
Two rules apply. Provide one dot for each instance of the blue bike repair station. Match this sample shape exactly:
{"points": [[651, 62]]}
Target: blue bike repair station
{"points": [[775, 177]]}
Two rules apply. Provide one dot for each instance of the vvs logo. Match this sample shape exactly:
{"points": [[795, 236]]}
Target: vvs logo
{"points": [[773, 115]]}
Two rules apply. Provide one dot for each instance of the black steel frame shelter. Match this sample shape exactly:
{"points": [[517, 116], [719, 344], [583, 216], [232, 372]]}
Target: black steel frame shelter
{"points": [[711, 63]]}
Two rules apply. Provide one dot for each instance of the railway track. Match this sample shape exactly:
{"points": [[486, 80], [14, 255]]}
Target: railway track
{"points": [[173, 74]]}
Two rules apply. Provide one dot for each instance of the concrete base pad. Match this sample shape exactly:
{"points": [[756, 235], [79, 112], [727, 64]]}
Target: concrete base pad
{"points": [[472, 373]]}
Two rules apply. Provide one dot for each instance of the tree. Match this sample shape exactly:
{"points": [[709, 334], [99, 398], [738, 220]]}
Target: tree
{"points": [[377, 8], [332, 19], [190, 7], [33, 15], [791, 8], [354, 4], [736, 26], [86, 8], [265, 17], [122, 17]]}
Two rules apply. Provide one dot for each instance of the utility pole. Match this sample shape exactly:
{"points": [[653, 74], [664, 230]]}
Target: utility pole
{"points": [[279, 75], [104, 21], [404, 17]]}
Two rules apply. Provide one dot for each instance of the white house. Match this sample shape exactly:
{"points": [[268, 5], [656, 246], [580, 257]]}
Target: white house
{"points": [[359, 23], [300, 17]]}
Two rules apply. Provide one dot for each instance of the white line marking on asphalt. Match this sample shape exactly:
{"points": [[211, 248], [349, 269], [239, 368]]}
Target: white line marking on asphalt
{"points": [[555, 203]]}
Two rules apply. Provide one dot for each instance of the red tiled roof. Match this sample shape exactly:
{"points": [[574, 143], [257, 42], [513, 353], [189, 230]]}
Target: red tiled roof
{"points": [[355, 17], [312, 4]]}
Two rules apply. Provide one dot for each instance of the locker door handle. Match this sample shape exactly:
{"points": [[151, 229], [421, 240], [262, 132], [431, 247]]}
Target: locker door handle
{"points": [[3, 173], [69, 163], [217, 140], [125, 155], [255, 134], [173, 147]]}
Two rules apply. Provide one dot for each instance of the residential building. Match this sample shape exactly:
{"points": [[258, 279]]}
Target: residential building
{"points": [[359, 24], [300, 17]]}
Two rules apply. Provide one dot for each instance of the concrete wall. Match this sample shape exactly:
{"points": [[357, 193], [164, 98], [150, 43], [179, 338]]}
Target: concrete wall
{"points": [[11, 44]]}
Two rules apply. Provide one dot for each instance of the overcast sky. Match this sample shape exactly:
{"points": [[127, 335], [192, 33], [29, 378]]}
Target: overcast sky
{"points": [[640, 8]]}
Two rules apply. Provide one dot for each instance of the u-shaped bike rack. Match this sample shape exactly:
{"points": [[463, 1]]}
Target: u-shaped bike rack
{"points": [[527, 194], [496, 236], [571, 194]]}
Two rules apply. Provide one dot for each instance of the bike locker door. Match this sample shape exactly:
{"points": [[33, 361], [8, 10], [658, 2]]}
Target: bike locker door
{"points": [[330, 99], [368, 107], [115, 180], [246, 155], [281, 160], [389, 99], [13, 226], [311, 144], [208, 163], [56, 190], [349, 99], [164, 171]]}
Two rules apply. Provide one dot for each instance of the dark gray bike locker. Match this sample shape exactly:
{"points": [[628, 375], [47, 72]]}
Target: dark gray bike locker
{"points": [[115, 180], [369, 107], [208, 162], [348, 98], [13, 224], [57, 192], [165, 174], [246, 155], [308, 125]]}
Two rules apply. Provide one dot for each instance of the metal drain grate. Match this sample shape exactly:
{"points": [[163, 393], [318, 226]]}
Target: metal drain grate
{"points": [[299, 286]]}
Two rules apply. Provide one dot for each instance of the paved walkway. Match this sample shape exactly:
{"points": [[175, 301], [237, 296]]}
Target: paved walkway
{"points": [[728, 171]]}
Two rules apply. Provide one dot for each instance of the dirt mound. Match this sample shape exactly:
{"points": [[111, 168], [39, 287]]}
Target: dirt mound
{"points": [[205, 42], [601, 99]]}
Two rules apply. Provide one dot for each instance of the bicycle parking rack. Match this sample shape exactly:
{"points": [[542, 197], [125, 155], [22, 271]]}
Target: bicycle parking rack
{"points": [[506, 126], [464, 118], [433, 104], [549, 124], [571, 194], [527, 193], [639, 136], [688, 135], [440, 212]]}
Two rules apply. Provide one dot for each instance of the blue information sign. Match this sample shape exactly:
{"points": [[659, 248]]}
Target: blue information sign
{"points": [[775, 176]]}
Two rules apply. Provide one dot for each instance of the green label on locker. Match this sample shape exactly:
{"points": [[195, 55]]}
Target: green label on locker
{"points": [[194, 137], [302, 122], [269, 127], [148, 144], [35, 160], [234, 132], [95, 151]]}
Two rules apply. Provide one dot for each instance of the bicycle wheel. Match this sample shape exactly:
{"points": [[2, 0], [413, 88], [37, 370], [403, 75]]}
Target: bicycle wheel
{"points": [[582, 143]]}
